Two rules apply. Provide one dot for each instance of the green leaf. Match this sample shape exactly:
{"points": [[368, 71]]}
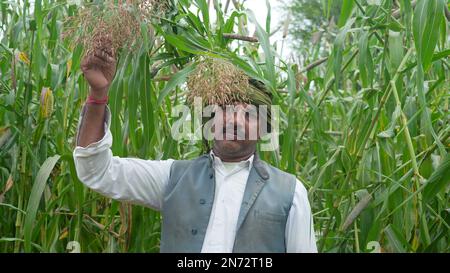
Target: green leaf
{"points": [[426, 25], [219, 22], [346, 11], [203, 6], [395, 50], [443, 31], [338, 50], [386, 134], [395, 26], [229, 24], [437, 56], [263, 36], [438, 181], [374, 2], [35, 197], [176, 79], [395, 239], [184, 44], [268, 17], [3, 239], [291, 85], [365, 61], [394, 119], [248, 66], [195, 21]]}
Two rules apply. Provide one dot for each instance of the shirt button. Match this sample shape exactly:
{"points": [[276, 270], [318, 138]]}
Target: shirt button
{"points": [[211, 176], [202, 201], [194, 231]]}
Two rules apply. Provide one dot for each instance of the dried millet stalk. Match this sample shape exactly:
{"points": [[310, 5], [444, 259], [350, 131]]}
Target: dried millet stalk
{"points": [[219, 82], [111, 27]]}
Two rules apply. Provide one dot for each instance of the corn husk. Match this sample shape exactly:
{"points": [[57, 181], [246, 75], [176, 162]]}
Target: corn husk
{"points": [[46, 102]]}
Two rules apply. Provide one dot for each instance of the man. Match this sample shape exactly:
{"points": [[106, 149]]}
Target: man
{"points": [[228, 200]]}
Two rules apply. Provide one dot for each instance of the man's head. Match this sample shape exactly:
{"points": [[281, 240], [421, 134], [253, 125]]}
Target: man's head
{"points": [[236, 131], [240, 126], [237, 124]]}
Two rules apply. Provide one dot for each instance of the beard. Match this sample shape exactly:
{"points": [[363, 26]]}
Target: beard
{"points": [[234, 149]]}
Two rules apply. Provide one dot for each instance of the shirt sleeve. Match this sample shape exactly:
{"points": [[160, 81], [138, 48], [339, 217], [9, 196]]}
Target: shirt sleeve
{"points": [[299, 235], [132, 180]]}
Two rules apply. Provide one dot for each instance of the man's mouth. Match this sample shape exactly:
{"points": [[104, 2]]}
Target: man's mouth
{"points": [[228, 136], [232, 134]]}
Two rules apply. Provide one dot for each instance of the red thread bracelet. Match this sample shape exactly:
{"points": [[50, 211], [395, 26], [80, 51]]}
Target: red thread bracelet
{"points": [[91, 100]]}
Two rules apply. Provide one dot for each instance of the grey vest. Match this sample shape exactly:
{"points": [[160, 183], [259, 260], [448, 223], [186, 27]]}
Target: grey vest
{"points": [[189, 198]]}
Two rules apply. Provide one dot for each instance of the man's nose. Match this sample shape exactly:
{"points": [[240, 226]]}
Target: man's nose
{"points": [[234, 117], [228, 117]]}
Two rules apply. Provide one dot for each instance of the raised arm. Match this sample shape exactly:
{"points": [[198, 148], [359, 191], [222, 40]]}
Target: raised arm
{"points": [[98, 69], [133, 180]]}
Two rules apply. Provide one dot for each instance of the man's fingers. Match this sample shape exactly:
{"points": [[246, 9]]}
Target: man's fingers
{"points": [[110, 59], [100, 62], [93, 63], [101, 55], [105, 57], [108, 50], [97, 59], [87, 62]]}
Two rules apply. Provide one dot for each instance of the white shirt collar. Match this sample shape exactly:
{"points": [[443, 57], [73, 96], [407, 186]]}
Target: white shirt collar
{"points": [[244, 163]]}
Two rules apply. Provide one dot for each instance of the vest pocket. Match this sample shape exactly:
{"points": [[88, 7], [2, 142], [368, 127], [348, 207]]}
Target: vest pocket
{"points": [[270, 216]]}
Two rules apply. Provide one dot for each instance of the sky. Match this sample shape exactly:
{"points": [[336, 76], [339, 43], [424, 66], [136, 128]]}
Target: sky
{"points": [[278, 16], [259, 8]]}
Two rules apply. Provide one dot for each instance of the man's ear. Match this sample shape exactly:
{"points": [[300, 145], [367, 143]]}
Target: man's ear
{"points": [[268, 127]]}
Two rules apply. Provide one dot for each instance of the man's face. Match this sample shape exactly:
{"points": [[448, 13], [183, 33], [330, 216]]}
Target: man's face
{"points": [[236, 131]]}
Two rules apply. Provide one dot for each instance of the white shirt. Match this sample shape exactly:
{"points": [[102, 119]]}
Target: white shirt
{"points": [[143, 182]]}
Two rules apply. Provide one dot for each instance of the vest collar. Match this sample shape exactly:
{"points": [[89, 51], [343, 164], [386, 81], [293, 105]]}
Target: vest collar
{"points": [[260, 166]]}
